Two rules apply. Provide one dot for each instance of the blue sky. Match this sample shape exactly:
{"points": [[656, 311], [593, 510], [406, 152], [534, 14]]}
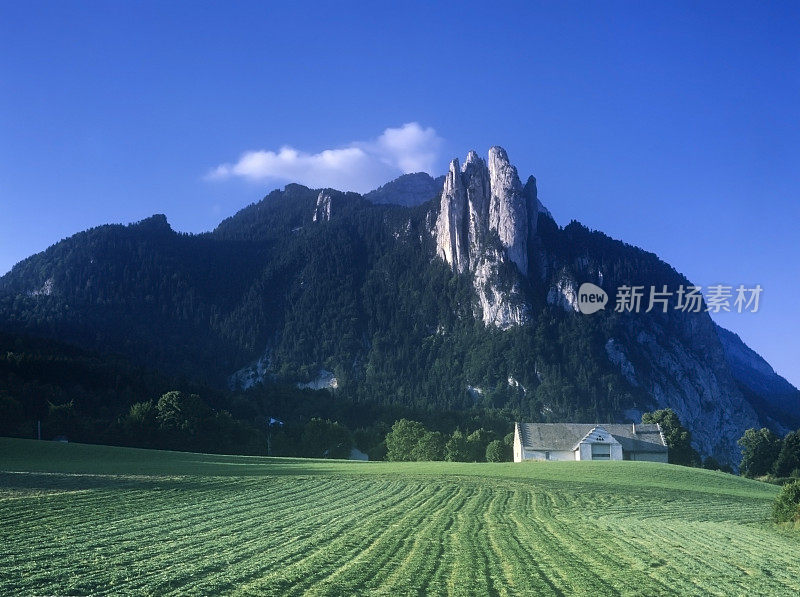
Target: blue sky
{"points": [[673, 126]]}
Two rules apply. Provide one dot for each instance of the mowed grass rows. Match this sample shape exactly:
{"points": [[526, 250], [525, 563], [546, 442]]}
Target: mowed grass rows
{"points": [[96, 520]]}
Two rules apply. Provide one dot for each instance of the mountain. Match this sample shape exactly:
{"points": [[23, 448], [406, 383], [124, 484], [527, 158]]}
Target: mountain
{"points": [[773, 397], [408, 190], [468, 301]]}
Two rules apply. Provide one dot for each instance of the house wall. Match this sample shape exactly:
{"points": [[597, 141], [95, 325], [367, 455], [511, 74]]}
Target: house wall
{"points": [[554, 455], [584, 451], [648, 456]]}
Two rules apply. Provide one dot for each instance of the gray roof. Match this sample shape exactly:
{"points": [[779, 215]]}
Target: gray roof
{"points": [[565, 436]]}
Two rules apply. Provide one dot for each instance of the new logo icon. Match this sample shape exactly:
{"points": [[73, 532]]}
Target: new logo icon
{"points": [[591, 298]]}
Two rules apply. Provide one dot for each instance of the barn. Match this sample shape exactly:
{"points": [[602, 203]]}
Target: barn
{"points": [[589, 441]]}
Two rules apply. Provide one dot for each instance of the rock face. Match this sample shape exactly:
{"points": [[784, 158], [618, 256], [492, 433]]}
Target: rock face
{"points": [[508, 209], [564, 293], [777, 399], [690, 376], [480, 205], [479, 199], [408, 190], [322, 211], [451, 234]]}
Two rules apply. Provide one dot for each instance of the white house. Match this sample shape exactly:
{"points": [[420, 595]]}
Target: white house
{"points": [[579, 441]]}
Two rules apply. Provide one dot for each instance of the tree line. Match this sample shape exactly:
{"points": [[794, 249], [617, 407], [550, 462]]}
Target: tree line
{"points": [[765, 454]]}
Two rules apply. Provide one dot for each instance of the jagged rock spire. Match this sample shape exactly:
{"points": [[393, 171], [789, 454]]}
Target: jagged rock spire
{"points": [[481, 198], [478, 200], [451, 234], [508, 213], [478, 192]]}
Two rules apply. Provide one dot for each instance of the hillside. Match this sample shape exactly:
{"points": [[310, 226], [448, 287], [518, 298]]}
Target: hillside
{"points": [[467, 301], [82, 519]]}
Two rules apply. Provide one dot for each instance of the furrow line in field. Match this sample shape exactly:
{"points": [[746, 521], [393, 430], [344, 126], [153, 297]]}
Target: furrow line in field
{"points": [[378, 503], [540, 557], [752, 557], [682, 569], [565, 545], [387, 540], [381, 566], [639, 560], [436, 581], [507, 553], [125, 538], [299, 527], [588, 543], [471, 573], [60, 504]]}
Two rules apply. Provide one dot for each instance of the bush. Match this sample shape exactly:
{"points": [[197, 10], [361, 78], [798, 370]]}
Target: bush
{"points": [[495, 451], [787, 505]]}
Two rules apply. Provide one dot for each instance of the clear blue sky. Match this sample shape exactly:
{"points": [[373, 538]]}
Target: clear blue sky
{"points": [[673, 126]]}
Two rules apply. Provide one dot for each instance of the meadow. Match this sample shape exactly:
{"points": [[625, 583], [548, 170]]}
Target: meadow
{"points": [[78, 519]]}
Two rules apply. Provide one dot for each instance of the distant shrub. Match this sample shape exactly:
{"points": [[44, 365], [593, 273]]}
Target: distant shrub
{"points": [[495, 451], [787, 505]]}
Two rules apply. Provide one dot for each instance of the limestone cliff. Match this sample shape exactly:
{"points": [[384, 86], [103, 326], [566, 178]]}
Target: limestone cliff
{"points": [[486, 220]]}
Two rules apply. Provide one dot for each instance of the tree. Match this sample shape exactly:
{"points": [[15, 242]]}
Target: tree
{"points": [[760, 450], [326, 439], [496, 451], [140, 424], [457, 448], [181, 412], [62, 419], [678, 438], [478, 440], [786, 507], [430, 447], [402, 440], [11, 415], [788, 459]]}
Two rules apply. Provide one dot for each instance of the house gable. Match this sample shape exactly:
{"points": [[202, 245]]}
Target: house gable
{"points": [[597, 435]]}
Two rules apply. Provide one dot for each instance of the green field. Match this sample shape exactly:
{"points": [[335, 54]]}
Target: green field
{"points": [[78, 519]]}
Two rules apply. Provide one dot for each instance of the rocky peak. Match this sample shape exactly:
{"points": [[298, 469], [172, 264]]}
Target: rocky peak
{"points": [[508, 212], [472, 159], [484, 197], [477, 199], [450, 232], [478, 191]]}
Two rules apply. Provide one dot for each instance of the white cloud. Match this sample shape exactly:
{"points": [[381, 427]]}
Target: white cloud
{"points": [[360, 166]]}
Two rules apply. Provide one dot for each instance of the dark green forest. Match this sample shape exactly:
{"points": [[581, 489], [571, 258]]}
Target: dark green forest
{"points": [[140, 311]]}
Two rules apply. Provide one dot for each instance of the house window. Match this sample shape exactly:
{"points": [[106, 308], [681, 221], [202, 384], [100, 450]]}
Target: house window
{"points": [[601, 451], [547, 455]]}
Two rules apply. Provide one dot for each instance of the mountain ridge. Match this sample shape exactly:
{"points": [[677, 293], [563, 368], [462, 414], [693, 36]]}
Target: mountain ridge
{"points": [[434, 305]]}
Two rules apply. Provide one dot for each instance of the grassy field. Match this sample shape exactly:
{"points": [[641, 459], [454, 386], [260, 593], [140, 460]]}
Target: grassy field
{"points": [[78, 519]]}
